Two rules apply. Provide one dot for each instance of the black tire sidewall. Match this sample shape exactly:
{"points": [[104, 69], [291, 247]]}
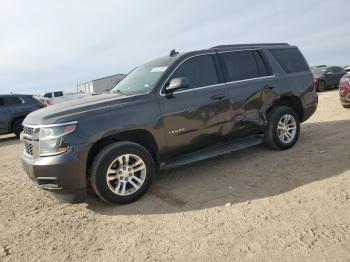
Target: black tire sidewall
{"points": [[17, 127], [323, 84], [278, 114], [103, 161]]}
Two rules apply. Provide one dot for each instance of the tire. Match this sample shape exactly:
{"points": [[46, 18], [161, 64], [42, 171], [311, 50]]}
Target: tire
{"points": [[114, 158], [273, 134], [17, 127], [346, 106], [321, 86]]}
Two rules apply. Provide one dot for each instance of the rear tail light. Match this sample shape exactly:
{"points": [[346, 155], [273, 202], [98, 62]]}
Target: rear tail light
{"points": [[314, 82], [345, 82]]}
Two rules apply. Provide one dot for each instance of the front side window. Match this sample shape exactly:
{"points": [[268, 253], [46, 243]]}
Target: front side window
{"points": [[10, 101], [199, 70], [48, 95], [241, 65]]}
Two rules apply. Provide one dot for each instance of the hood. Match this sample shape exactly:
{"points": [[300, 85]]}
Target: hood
{"points": [[74, 109]]}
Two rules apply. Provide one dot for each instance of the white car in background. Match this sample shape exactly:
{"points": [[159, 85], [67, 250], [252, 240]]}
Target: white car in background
{"points": [[52, 98], [347, 69]]}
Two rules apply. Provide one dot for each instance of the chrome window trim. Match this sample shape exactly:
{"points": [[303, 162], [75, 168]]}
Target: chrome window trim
{"points": [[51, 125], [161, 89], [202, 87]]}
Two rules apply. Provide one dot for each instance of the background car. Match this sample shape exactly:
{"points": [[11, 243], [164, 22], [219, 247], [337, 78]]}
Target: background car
{"points": [[344, 90], [327, 77], [347, 69], [13, 109]]}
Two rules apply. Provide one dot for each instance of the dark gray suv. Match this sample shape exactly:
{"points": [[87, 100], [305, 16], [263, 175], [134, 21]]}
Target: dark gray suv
{"points": [[13, 109], [171, 111]]}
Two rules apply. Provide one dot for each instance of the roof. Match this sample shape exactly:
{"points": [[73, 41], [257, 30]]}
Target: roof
{"points": [[15, 95], [235, 47]]}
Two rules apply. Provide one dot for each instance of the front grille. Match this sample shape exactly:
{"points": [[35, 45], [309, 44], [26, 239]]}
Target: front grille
{"points": [[28, 131], [28, 148], [31, 138]]}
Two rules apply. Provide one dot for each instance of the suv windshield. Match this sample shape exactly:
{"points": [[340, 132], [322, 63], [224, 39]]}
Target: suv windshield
{"points": [[319, 71], [143, 78]]}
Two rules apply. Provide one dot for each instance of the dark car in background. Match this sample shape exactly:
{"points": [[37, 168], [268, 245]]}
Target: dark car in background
{"points": [[13, 109], [344, 91], [327, 77]]}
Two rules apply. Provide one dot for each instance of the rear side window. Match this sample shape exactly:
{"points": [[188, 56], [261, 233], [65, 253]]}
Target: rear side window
{"points": [[10, 101], [1, 101], [240, 65], [200, 71], [337, 69], [57, 94], [290, 60]]}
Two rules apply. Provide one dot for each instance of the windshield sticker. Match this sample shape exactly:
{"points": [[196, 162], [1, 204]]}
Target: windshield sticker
{"points": [[159, 69]]}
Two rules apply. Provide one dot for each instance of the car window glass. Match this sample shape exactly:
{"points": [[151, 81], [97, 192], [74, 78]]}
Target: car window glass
{"points": [[290, 60], [329, 70], [10, 101], [199, 70], [242, 65], [48, 95], [57, 94], [1, 101], [337, 69]]}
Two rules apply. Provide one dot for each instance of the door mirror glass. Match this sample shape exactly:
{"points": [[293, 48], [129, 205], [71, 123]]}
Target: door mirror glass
{"points": [[178, 83]]}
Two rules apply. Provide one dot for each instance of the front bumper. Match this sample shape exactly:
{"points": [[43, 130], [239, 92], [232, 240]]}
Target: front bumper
{"points": [[63, 174]]}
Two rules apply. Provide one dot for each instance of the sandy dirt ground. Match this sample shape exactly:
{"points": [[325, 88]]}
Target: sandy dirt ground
{"points": [[252, 205]]}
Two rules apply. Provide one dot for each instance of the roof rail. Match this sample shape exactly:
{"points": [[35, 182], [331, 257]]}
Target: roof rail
{"points": [[251, 45]]}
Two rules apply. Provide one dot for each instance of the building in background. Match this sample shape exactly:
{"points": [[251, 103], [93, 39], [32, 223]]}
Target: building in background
{"points": [[100, 85]]}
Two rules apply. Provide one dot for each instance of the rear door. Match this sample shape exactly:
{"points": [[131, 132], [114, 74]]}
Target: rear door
{"points": [[330, 76], [8, 111], [4, 116], [249, 81], [338, 72], [199, 115]]}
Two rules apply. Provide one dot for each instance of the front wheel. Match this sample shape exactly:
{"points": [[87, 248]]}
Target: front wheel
{"points": [[17, 127], [122, 172], [283, 128]]}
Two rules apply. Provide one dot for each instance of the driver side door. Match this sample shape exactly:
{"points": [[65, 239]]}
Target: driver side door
{"points": [[198, 115]]}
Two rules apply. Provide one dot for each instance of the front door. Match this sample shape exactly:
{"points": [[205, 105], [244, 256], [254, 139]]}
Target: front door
{"points": [[198, 115]]}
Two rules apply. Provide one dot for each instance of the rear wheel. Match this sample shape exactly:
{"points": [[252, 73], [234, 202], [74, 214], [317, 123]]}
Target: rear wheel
{"points": [[346, 106], [283, 128], [122, 172], [321, 86], [17, 127]]}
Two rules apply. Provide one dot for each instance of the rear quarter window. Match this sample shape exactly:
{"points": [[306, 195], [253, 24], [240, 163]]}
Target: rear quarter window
{"points": [[290, 59]]}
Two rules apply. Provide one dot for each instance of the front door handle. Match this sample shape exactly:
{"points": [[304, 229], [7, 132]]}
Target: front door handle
{"points": [[218, 97], [268, 87]]}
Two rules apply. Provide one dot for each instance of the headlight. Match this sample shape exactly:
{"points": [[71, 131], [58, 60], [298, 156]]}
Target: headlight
{"points": [[51, 139]]}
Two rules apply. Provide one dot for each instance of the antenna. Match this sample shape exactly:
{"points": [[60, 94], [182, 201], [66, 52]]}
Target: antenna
{"points": [[173, 52]]}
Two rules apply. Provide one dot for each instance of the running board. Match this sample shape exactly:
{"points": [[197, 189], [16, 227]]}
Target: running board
{"points": [[213, 151]]}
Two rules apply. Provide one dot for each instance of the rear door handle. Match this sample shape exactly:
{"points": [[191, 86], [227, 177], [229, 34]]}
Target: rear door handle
{"points": [[218, 97]]}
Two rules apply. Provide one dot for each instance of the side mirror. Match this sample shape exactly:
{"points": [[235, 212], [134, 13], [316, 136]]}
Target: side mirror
{"points": [[178, 83]]}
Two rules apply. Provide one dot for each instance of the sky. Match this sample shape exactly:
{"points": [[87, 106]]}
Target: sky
{"points": [[54, 45]]}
